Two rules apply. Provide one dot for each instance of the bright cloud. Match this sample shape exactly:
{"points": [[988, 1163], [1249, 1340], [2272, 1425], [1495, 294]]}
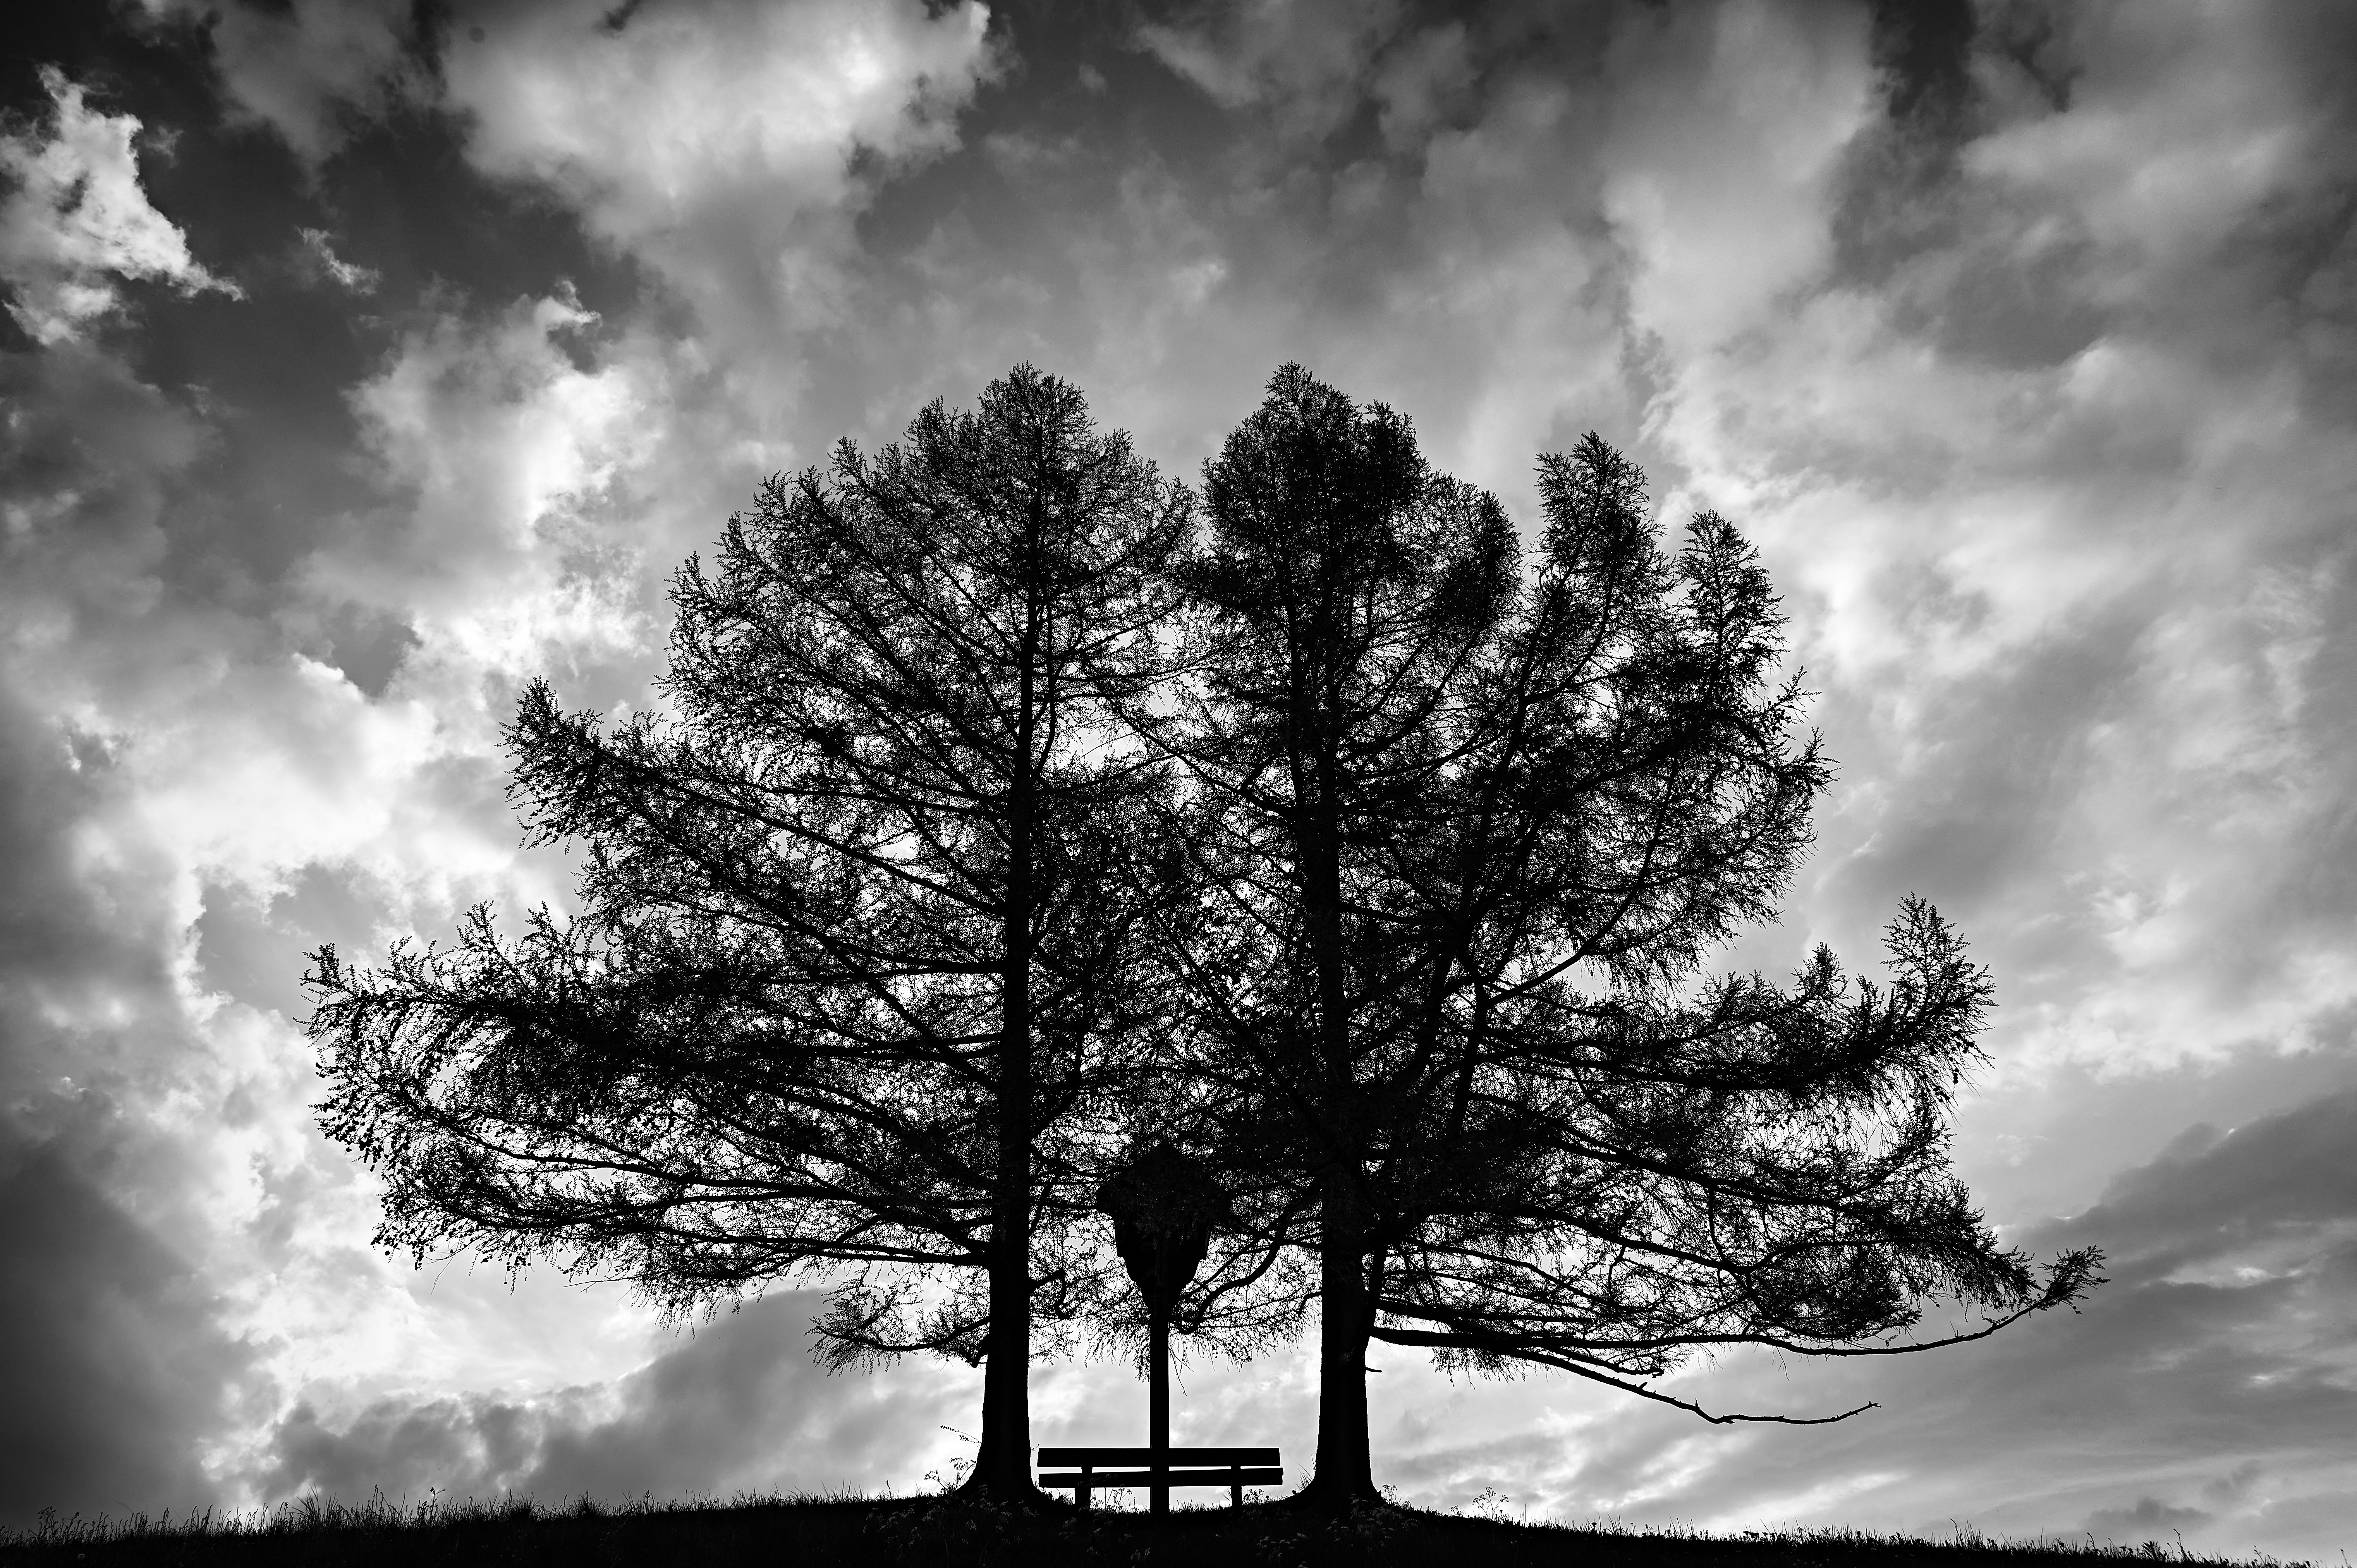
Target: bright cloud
{"points": [[504, 455], [715, 140], [77, 221], [1953, 518]]}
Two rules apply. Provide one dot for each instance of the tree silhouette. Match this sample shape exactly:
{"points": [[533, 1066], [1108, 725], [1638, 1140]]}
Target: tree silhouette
{"points": [[1463, 836], [853, 974]]}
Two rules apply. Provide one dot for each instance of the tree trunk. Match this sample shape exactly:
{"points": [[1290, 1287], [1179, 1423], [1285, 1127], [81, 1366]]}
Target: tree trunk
{"points": [[1002, 1467], [1345, 1473]]}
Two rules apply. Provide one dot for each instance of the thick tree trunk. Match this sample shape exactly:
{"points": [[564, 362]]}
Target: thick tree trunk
{"points": [[1345, 1473], [1003, 1465]]}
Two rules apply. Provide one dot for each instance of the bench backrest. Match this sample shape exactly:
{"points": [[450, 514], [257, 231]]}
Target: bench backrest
{"points": [[1194, 1457]]}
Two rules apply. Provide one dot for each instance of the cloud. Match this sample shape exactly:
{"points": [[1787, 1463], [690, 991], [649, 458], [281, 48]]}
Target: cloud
{"points": [[2149, 1519], [1303, 60], [716, 141], [187, 801], [1425, 79], [2045, 455], [193, 793], [78, 221], [86, 467], [310, 69], [1168, 258], [132, 1099], [739, 1406], [1727, 136], [508, 466], [320, 253], [2199, 1390], [116, 1376], [211, 759]]}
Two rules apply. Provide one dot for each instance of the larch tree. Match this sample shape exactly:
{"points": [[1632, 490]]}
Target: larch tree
{"points": [[1464, 835], [853, 987]]}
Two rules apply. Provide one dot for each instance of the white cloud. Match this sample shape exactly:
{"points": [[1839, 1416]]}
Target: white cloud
{"points": [[2069, 600], [511, 541], [715, 140], [77, 221], [738, 1404]]}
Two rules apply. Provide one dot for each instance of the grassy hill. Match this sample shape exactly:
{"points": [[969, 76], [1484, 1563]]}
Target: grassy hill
{"points": [[867, 1533]]}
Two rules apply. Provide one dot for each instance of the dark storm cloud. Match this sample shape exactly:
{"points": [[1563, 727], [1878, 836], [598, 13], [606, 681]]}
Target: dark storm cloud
{"points": [[739, 1405], [115, 1377], [2212, 1192]]}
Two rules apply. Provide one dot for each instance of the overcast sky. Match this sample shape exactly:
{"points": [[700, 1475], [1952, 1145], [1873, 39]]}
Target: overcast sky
{"points": [[361, 363]]}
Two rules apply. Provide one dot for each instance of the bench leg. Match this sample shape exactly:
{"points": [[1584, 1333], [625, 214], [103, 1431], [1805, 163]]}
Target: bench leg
{"points": [[1235, 1494], [1081, 1492]]}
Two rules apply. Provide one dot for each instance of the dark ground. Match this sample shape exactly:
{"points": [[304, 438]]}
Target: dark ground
{"points": [[866, 1533]]}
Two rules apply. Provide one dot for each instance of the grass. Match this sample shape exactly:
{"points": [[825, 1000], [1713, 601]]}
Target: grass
{"points": [[851, 1533]]}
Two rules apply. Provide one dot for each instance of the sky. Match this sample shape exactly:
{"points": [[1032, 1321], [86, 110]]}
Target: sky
{"points": [[363, 360]]}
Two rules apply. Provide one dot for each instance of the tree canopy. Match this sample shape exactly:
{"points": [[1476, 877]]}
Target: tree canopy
{"points": [[994, 828], [852, 984], [1466, 833]]}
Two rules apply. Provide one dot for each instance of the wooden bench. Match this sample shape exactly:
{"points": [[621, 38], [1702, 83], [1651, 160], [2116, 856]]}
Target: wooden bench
{"points": [[1085, 1470]]}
